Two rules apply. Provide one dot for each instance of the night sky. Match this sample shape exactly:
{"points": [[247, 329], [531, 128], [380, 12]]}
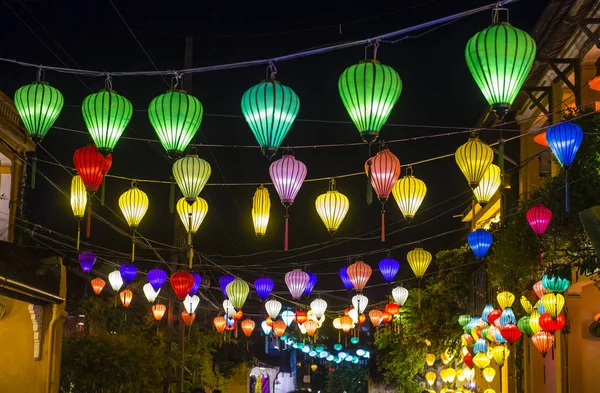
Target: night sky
{"points": [[437, 91]]}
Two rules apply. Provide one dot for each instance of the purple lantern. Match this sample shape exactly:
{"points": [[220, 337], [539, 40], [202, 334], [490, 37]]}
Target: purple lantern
{"points": [[263, 287], [296, 281], [128, 273], [87, 260], [312, 281], [224, 281], [287, 175], [197, 283], [388, 268], [346, 279], [157, 278]]}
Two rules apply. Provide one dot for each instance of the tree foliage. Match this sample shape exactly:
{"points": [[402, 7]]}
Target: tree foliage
{"points": [[351, 379]]}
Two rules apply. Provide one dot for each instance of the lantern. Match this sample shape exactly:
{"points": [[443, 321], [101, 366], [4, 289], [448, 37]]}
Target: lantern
{"points": [[220, 322], [313, 367], [193, 214], [38, 105], [239, 314], [158, 311], [524, 325], [534, 322], [345, 279], [400, 294], [526, 304], [191, 174], [288, 316], [318, 306], [224, 281], [312, 281], [392, 308], [473, 158], [134, 205], [388, 268], [91, 166], [261, 207], [505, 299], [494, 315], [383, 170], [543, 341], [128, 273], [301, 317], [157, 278], [511, 332], [228, 308], [555, 284], [106, 115], [78, 202], [197, 283], [463, 320], [553, 303], [279, 327], [332, 207], [489, 374], [231, 324], [500, 354], [311, 327], [480, 346], [346, 323], [480, 242], [360, 302], [296, 281], [238, 291], [369, 91], [486, 312], [188, 318], [273, 307], [287, 175], [126, 297], [386, 317], [539, 217], [98, 285], [115, 280], [409, 193], [488, 185], [87, 260], [181, 282], [500, 58], [270, 109], [263, 287], [266, 328], [359, 274], [150, 293], [431, 378], [539, 289], [481, 360], [550, 324], [176, 117], [248, 326], [190, 303], [375, 316], [419, 261], [430, 359]]}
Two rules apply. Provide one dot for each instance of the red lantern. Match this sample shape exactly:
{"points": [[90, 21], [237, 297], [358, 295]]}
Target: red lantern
{"points": [[386, 317], [158, 310], [359, 273], [301, 317], [279, 327], [269, 321], [231, 327], [543, 341], [188, 319], [311, 327], [494, 315], [220, 322], [551, 325], [539, 217], [248, 326], [468, 360], [91, 166], [98, 285], [511, 332], [375, 316], [238, 315], [384, 171], [346, 323], [182, 282], [392, 308]]}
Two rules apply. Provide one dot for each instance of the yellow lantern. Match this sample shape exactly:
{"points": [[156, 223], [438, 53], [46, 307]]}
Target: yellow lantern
{"points": [[409, 193], [534, 321], [473, 158], [490, 390], [332, 208], [481, 360], [459, 375], [505, 299], [500, 354], [489, 374], [431, 377], [444, 358], [313, 367], [448, 375], [419, 261], [337, 323], [134, 205], [553, 303], [430, 359], [488, 185], [261, 207], [78, 202], [192, 215], [526, 304]]}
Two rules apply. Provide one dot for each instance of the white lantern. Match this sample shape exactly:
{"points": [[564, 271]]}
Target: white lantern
{"points": [[190, 303], [360, 302], [288, 317], [115, 280], [266, 328], [318, 306], [150, 293], [273, 307], [400, 294], [228, 307], [354, 315]]}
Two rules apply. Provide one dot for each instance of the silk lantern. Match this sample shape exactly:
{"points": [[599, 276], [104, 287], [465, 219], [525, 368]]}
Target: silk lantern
{"points": [[228, 308], [38, 105], [430, 359], [192, 215], [480, 242], [220, 322], [190, 303], [481, 360], [553, 303], [543, 342], [78, 203], [279, 328], [197, 283], [369, 90], [87, 259], [388, 267], [188, 318], [473, 158], [510, 332], [360, 302], [400, 294], [311, 327], [106, 115], [346, 323], [488, 185], [383, 170], [238, 291], [158, 311], [181, 282], [409, 193], [134, 205], [524, 325], [98, 285], [115, 280], [552, 324], [375, 316], [539, 217], [526, 304], [224, 281], [176, 117], [301, 317], [332, 207], [266, 328], [392, 308], [287, 175], [150, 293], [273, 307], [288, 317], [191, 174], [500, 354], [296, 280], [128, 272], [539, 289], [431, 378], [248, 326], [312, 281], [500, 58], [270, 109], [359, 274], [157, 278], [419, 260], [126, 297], [505, 299], [554, 283], [345, 279], [489, 374], [261, 208], [318, 306], [264, 286]]}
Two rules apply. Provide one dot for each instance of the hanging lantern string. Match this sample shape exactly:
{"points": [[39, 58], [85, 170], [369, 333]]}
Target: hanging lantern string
{"points": [[108, 82]]}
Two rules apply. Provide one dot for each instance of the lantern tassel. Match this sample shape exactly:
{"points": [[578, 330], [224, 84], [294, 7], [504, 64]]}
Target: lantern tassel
{"points": [[133, 246], [88, 228], [267, 344], [287, 218], [191, 257], [33, 171], [78, 233], [567, 198], [102, 191], [382, 223], [172, 197]]}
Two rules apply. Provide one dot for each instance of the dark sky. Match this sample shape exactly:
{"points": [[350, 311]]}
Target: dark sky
{"points": [[438, 91]]}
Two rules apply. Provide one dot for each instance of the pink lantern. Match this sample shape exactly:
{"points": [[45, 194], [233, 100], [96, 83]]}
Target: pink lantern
{"points": [[287, 175], [359, 273], [384, 171], [296, 281], [539, 289], [539, 217]]}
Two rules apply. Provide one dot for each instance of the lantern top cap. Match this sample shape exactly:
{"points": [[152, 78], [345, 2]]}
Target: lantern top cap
{"points": [[373, 61]]}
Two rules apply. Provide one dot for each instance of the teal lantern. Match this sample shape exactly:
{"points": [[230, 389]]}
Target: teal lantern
{"points": [[354, 340], [270, 109], [106, 115], [500, 58], [39, 105], [176, 117], [369, 91]]}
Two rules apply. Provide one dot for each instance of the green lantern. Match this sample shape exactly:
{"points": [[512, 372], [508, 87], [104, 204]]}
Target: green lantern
{"points": [[500, 58], [237, 291], [369, 91], [106, 115], [191, 174], [270, 109], [176, 117], [524, 326], [39, 105]]}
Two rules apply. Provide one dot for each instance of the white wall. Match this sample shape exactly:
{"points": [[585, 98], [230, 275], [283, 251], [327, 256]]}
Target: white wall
{"points": [[5, 185]]}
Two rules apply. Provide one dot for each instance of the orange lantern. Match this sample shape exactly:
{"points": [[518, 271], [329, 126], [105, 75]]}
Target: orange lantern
{"points": [[311, 327], [279, 327], [386, 317], [392, 308], [188, 319], [220, 322], [269, 321], [238, 315], [248, 326], [540, 139], [98, 285], [362, 318], [359, 273], [158, 310], [375, 316], [301, 317], [232, 327], [543, 341], [126, 297], [346, 322]]}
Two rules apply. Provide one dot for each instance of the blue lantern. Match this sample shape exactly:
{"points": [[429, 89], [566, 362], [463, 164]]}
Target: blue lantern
{"points": [[480, 346], [197, 283], [224, 281], [157, 278], [312, 281], [346, 279], [508, 316], [486, 311], [263, 287], [480, 241], [498, 336], [128, 273], [388, 268], [87, 260]]}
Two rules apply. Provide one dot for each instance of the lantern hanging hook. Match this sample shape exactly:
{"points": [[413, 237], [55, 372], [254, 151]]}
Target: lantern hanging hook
{"points": [[332, 184], [175, 80], [133, 183], [496, 13], [41, 74], [271, 71], [108, 81], [375, 48], [409, 170]]}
